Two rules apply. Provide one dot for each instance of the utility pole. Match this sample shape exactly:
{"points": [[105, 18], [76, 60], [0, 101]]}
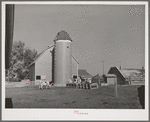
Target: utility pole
{"points": [[103, 66], [77, 64], [77, 70], [116, 88]]}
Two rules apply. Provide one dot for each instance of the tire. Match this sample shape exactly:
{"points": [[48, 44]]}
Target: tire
{"points": [[94, 86]]}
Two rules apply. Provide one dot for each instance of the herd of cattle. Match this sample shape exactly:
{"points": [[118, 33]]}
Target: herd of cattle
{"points": [[78, 82]]}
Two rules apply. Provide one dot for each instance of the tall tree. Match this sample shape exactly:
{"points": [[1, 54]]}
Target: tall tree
{"points": [[21, 59]]}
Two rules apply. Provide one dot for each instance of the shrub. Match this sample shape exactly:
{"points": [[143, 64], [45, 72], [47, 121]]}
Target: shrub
{"points": [[14, 80]]}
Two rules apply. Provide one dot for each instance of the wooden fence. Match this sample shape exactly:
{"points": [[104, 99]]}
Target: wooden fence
{"points": [[136, 80]]}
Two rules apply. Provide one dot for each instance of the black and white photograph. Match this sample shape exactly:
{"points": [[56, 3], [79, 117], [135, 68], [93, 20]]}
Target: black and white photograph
{"points": [[74, 60]]}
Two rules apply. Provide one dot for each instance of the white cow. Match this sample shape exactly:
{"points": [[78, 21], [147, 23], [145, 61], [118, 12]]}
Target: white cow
{"points": [[78, 80], [47, 83]]}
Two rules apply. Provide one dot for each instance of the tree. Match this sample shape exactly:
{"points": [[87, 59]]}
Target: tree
{"points": [[21, 57]]}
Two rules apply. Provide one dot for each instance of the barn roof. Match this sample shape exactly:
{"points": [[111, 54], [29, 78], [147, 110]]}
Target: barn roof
{"points": [[62, 35], [40, 54], [82, 72], [129, 72], [110, 75]]}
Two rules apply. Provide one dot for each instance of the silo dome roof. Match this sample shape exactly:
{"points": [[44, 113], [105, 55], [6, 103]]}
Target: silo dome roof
{"points": [[62, 35]]}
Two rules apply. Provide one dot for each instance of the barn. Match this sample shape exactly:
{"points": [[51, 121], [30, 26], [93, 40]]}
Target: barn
{"points": [[41, 67], [128, 76], [54, 63]]}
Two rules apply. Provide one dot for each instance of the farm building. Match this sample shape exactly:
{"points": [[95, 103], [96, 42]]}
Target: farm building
{"points": [[82, 72], [62, 65], [41, 66], [97, 79], [54, 63], [110, 79], [128, 76]]}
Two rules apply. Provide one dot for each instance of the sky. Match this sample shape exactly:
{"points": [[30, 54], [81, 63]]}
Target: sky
{"points": [[114, 34]]}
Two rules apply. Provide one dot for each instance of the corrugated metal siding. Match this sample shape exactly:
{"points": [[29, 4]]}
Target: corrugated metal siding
{"points": [[43, 65], [62, 63], [120, 78], [32, 73]]}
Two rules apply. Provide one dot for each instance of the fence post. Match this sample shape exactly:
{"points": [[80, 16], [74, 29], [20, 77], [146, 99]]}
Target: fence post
{"points": [[129, 80], [116, 89]]}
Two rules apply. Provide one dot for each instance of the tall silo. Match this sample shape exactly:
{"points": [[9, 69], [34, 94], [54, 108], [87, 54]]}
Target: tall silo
{"points": [[62, 58]]}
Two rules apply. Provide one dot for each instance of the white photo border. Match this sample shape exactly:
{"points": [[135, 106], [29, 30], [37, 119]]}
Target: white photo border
{"points": [[68, 114]]}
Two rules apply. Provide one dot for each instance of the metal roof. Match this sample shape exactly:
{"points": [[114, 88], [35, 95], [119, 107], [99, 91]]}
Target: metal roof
{"points": [[62, 35], [110, 75], [82, 72], [131, 72]]}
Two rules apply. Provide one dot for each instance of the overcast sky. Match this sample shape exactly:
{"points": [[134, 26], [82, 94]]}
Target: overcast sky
{"points": [[113, 33]]}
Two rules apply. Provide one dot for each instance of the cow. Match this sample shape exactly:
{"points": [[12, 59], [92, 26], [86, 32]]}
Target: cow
{"points": [[47, 83]]}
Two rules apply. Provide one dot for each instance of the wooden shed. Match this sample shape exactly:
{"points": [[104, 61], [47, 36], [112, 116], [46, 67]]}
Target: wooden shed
{"points": [[110, 79]]}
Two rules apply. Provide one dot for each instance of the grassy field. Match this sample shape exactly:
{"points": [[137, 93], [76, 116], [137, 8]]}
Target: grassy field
{"points": [[61, 97]]}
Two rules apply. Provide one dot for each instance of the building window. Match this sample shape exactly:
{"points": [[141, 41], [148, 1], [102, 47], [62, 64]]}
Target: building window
{"points": [[38, 77]]}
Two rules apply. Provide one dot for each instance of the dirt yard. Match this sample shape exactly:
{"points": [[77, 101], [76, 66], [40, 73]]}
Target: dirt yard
{"points": [[61, 97]]}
